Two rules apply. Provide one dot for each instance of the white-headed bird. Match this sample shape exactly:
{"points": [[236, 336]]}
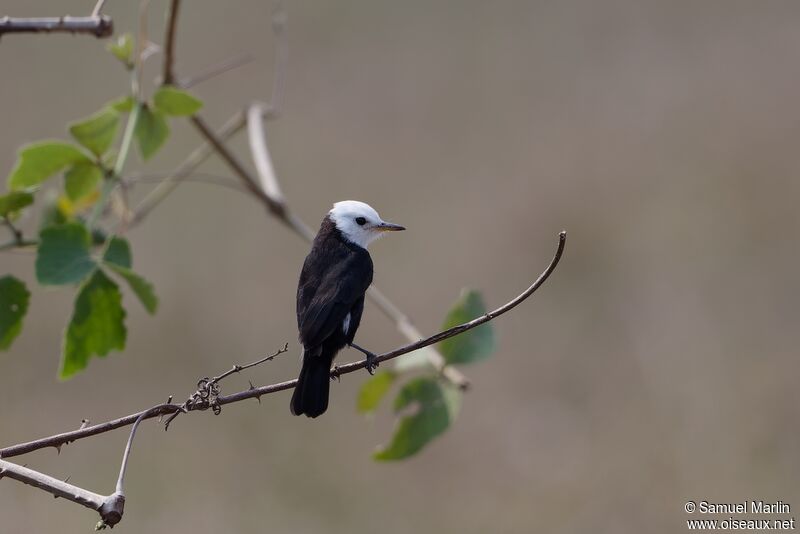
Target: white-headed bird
{"points": [[330, 297]]}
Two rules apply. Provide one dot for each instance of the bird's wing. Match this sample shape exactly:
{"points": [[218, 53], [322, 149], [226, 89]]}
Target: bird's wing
{"points": [[340, 288]]}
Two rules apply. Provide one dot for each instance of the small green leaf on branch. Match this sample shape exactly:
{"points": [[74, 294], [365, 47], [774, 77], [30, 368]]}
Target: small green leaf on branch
{"points": [[118, 252], [13, 306], [98, 131], [143, 289], [151, 131], [176, 102]]}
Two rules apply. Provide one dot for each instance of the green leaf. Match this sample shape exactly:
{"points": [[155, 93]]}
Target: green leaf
{"points": [[118, 252], [14, 201], [123, 104], [81, 180], [373, 390], [473, 345], [97, 324], [39, 161], [63, 256], [141, 287], [437, 406], [122, 49], [176, 102], [118, 258], [13, 306], [151, 131], [98, 131]]}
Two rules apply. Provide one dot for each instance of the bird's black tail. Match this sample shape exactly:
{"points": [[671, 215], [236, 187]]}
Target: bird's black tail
{"points": [[311, 394]]}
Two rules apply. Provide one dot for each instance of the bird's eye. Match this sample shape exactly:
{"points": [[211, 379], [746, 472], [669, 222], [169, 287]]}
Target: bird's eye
{"points": [[361, 221]]}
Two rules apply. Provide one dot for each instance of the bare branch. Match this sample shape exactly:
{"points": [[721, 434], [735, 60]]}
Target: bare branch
{"points": [[68, 437], [168, 75], [18, 239], [59, 488], [273, 206], [110, 507], [165, 409], [99, 26], [260, 152]]}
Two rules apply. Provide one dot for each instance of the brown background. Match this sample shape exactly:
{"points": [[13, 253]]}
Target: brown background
{"points": [[658, 365]]}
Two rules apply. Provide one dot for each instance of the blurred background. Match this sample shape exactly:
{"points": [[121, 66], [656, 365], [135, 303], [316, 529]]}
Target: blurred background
{"points": [[658, 364]]}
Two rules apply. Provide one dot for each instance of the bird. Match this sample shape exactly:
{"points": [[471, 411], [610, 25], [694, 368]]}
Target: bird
{"points": [[330, 297]]}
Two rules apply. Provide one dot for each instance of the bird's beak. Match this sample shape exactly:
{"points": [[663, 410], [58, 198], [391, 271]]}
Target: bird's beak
{"points": [[389, 227]]}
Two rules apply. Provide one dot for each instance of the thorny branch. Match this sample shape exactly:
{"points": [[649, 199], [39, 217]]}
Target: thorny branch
{"points": [[166, 409], [208, 389]]}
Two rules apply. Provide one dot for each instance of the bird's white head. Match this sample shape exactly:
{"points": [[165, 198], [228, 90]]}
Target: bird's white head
{"points": [[359, 223]]}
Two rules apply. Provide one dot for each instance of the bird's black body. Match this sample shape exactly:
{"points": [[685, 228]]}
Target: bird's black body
{"points": [[335, 276]]}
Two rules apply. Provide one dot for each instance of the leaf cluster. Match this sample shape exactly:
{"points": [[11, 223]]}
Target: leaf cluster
{"points": [[71, 250]]}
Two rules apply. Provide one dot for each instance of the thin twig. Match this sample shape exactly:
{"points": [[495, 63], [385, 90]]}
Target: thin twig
{"points": [[239, 368], [125, 455], [197, 178], [18, 244], [168, 75], [16, 232], [214, 70], [142, 41], [98, 7], [164, 409]]}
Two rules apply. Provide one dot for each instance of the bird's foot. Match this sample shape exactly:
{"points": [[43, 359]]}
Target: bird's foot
{"points": [[336, 374], [372, 362]]}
